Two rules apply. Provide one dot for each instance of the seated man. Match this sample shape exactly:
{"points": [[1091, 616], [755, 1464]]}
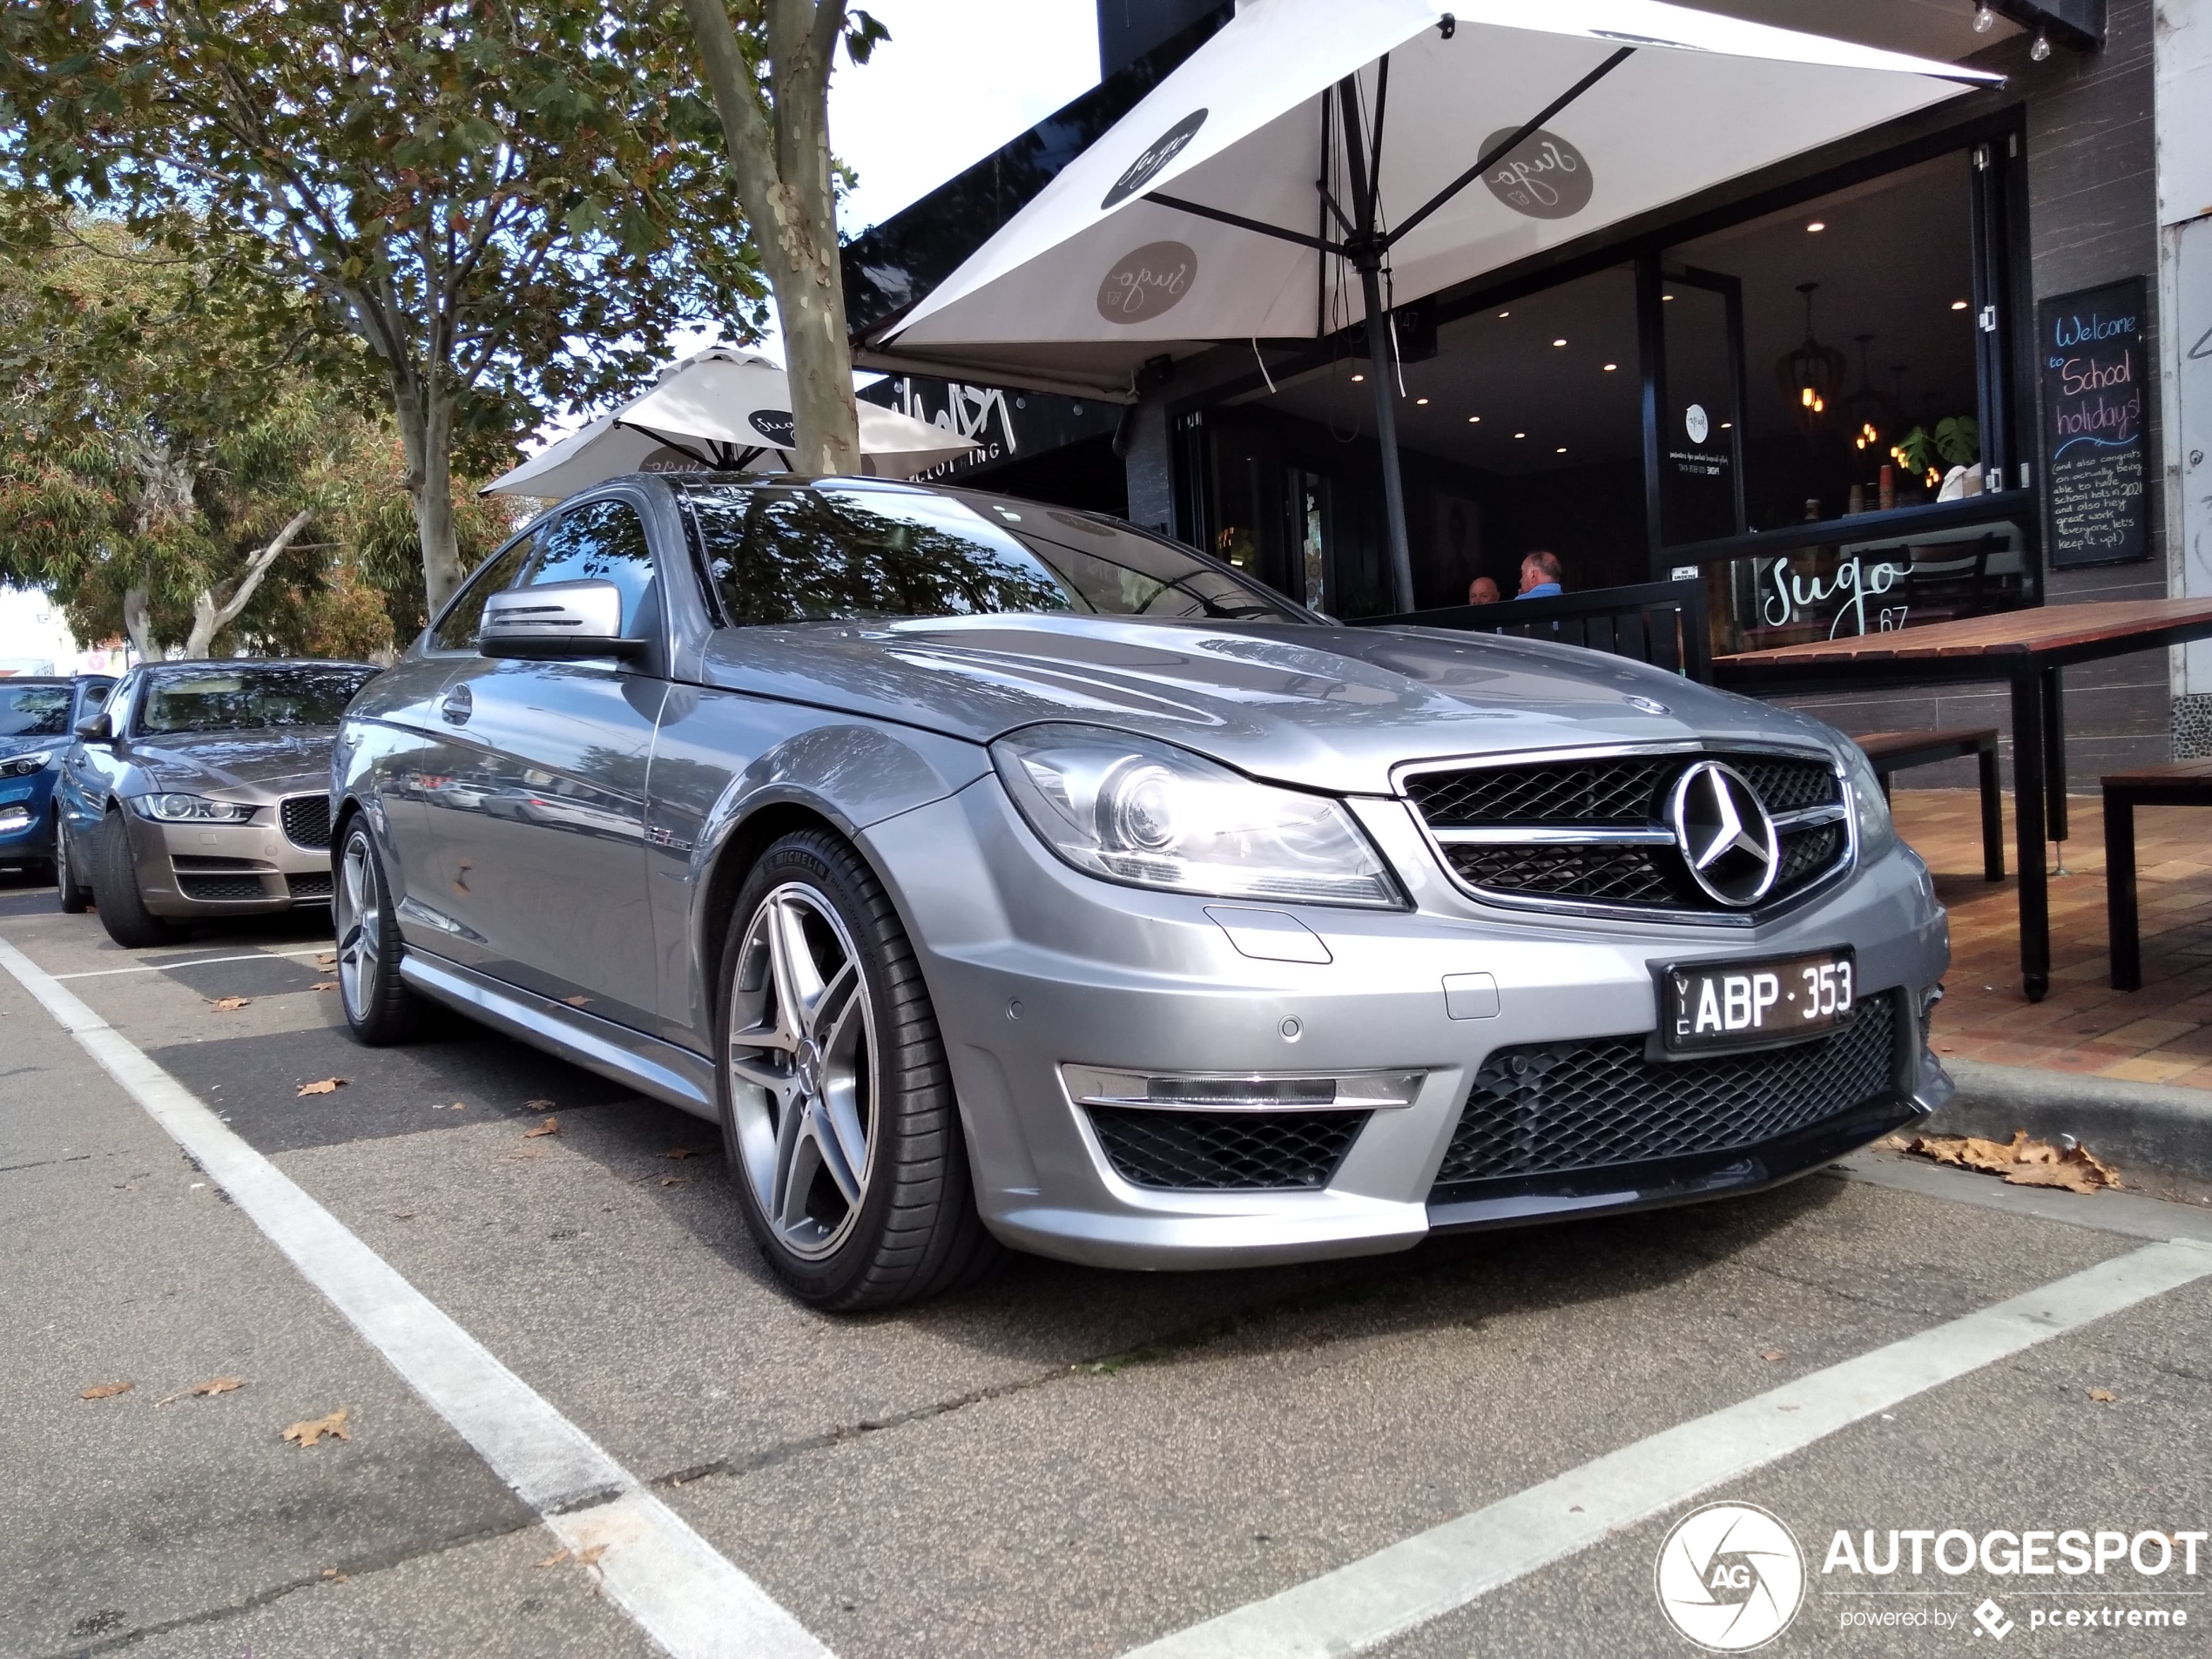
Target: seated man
{"points": [[1539, 574], [1482, 591]]}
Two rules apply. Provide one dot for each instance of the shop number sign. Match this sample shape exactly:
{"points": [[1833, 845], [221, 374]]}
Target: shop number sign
{"points": [[2090, 358]]}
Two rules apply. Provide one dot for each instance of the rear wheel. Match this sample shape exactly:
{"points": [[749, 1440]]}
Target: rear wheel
{"points": [[380, 1009], [71, 891], [838, 1116], [115, 891]]}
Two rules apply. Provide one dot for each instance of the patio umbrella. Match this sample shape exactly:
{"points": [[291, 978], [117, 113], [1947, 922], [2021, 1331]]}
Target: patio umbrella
{"points": [[1310, 142], [720, 411]]}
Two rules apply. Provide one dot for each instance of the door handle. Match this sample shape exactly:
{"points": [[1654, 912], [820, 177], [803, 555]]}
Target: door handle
{"points": [[457, 706]]}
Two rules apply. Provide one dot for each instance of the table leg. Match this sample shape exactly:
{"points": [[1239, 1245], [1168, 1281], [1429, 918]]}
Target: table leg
{"points": [[2054, 755], [2124, 942], [2029, 753]]}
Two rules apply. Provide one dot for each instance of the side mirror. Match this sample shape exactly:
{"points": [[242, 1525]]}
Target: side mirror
{"points": [[560, 622], [96, 728]]}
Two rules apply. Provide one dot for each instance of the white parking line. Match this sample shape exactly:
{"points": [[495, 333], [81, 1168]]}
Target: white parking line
{"points": [[196, 961], [1366, 1602], [690, 1599]]}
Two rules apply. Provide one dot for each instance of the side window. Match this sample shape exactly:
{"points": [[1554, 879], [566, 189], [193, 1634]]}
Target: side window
{"points": [[456, 630], [603, 541]]}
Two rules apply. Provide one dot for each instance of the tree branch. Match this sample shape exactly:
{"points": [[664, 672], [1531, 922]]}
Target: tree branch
{"points": [[208, 620]]}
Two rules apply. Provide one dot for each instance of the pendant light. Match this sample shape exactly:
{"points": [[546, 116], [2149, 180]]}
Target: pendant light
{"points": [[1810, 374]]}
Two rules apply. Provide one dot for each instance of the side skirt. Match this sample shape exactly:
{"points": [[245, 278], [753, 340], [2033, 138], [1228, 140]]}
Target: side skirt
{"points": [[674, 1076]]}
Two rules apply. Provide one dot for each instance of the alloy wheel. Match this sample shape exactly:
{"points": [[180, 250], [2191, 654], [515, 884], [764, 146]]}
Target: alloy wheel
{"points": [[801, 1059], [359, 926]]}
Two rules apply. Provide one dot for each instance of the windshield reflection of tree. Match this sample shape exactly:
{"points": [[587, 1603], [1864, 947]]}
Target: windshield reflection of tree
{"points": [[247, 702], [784, 557]]}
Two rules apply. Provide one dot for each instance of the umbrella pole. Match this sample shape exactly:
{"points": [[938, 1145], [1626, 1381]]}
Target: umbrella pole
{"points": [[1380, 377]]}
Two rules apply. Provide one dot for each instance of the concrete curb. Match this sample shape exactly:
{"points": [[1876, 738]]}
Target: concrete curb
{"points": [[2141, 1126]]}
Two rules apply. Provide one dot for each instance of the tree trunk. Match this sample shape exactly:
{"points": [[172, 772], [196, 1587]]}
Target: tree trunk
{"points": [[425, 417], [208, 620], [137, 622], [778, 142]]}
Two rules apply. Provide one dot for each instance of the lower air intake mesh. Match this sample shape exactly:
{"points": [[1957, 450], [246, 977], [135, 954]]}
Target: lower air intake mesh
{"points": [[1225, 1152]]}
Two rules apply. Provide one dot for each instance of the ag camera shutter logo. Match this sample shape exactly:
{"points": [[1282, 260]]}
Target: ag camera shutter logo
{"points": [[1730, 1577]]}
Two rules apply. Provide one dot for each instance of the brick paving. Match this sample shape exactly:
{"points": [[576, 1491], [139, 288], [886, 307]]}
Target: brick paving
{"points": [[2162, 1034]]}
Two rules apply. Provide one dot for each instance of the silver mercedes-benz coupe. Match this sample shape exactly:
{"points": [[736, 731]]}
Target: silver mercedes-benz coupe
{"points": [[996, 874]]}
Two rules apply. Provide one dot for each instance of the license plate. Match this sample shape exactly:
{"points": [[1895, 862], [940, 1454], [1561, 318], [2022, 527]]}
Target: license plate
{"points": [[1733, 1005]]}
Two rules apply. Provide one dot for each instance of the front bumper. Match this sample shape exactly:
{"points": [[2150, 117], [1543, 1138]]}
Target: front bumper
{"points": [[212, 870], [26, 819], [1034, 966]]}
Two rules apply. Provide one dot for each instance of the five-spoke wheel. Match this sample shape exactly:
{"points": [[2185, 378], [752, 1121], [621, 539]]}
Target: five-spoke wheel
{"points": [[379, 1006], [837, 1104]]}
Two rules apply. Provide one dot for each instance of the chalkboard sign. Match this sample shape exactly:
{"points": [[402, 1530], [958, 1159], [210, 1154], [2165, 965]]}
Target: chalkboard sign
{"points": [[2090, 352]]}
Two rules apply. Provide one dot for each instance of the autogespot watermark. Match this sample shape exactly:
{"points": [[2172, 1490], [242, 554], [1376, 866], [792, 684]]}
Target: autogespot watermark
{"points": [[1730, 1577]]}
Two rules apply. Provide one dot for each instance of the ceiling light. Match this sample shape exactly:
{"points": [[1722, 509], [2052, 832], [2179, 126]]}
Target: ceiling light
{"points": [[1817, 224], [1356, 379], [1666, 296], [1520, 435], [1726, 424], [1422, 401], [1473, 419], [1562, 448], [1559, 342], [1985, 20], [1609, 367], [1958, 305], [1505, 313], [2041, 48]]}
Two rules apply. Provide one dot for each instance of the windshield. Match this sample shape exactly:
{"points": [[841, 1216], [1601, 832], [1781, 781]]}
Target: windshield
{"points": [[34, 710], [782, 555], [248, 699]]}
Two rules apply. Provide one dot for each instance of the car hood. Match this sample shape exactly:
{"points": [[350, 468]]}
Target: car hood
{"points": [[20, 744], [290, 762], [1326, 707]]}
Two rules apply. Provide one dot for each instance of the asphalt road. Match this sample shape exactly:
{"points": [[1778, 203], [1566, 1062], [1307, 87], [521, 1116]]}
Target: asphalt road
{"points": [[1059, 1461]]}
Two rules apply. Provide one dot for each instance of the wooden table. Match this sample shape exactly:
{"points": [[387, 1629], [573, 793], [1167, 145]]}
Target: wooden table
{"points": [[2023, 650]]}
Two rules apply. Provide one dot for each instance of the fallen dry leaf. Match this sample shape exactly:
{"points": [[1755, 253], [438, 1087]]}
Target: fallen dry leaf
{"points": [[1771, 1355], [550, 1126], [555, 1559], [325, 1085], [324, 985], [675, 1180], [213, 1386], [539, 1105], [333, 1575], [227, 1004], [327, 960], [308, 1432], [679, 1152], [576, 1002], [586, 1557], [107, 1390], [2104, 1394], [2023, 1162]]}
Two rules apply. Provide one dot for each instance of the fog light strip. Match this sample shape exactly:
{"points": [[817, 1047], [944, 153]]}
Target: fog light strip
{"points": [[1367, 1602], [684, 1594]]}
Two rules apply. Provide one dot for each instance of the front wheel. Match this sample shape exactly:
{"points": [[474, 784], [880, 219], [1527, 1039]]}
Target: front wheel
{"points": [[379, 1009], [115, 891], [71, 891], [842, 1133]]}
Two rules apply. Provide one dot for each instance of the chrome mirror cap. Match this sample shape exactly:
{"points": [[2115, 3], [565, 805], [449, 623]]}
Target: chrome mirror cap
{"points": [[559, 621]]}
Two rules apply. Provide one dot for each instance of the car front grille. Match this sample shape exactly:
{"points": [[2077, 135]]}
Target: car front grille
{"points": [[1225, 1152], [1591, 833], [1553, 1108], [310, 887], [307, 821], [221, 889]]}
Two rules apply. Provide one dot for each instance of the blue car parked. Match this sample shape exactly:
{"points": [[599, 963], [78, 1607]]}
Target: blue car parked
{"points": [[38, 721]]}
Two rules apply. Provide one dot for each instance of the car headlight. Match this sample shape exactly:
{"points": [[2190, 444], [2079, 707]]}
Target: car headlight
{"points": [[193, 809], [1152, 815], [22, 766], [1876, 834]]}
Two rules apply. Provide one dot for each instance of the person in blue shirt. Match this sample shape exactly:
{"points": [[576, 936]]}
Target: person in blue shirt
{"points": [[1539, 574]]}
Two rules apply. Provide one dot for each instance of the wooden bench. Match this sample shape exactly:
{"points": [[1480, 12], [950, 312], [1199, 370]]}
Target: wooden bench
{"points": [[2179, 783], [1892, 751]]}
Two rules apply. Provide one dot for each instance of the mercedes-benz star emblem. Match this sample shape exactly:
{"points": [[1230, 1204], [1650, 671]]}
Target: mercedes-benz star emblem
{"points": [[1726, 836]]}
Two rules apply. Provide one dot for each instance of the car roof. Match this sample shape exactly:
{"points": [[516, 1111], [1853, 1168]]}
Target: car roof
{"points": [[167, 663]]}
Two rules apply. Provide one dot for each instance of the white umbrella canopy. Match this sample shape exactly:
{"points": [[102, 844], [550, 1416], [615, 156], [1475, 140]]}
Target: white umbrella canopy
{"points": [[717, 410], [1453, 144]]}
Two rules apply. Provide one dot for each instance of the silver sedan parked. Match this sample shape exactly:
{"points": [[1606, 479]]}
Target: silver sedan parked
{"points": [[200, 792], [992, 873]]}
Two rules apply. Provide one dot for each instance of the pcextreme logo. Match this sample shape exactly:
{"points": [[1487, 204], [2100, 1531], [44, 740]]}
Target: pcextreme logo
{"points": [[1730, 1577]]}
